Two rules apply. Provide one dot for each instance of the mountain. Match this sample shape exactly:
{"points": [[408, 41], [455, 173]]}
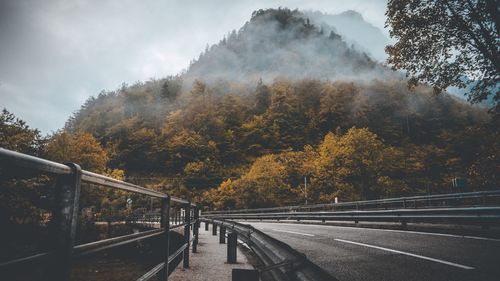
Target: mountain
{"points": [[285, 43], [354, 30]]}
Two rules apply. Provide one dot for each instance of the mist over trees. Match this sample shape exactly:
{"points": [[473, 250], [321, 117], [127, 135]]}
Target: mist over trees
{"points": [[354, 31], [283, 43], [276, 101], [261, 142]]}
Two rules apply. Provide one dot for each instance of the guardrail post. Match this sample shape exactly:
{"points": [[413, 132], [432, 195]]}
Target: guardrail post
{"points": [[232, 243], [187, 234], [240, 274], [403, 223], [165, 224], [63, 228], [196, 229], [214, 229], [206, 226], [222, 235]]}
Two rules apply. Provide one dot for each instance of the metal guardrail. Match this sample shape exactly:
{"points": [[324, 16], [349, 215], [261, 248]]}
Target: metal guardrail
{"points": [[480, 207], [478, 198], [471, 215], [65, 213], [282, 263]]}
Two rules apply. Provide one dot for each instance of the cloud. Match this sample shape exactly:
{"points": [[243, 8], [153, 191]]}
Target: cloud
{"points": [[55, 53]]}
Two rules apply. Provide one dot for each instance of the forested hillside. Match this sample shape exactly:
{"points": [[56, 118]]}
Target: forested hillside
{"points": [[279, 100]]}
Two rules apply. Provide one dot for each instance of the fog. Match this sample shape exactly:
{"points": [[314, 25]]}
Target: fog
{"points": [[285, 44], [55, 54]]}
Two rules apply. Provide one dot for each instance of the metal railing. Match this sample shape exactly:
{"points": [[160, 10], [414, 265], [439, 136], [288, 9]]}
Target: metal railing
{"points": [[284, 263], [58, 260], [281, 262], [466, 199], [484, 216], [482, 207]]}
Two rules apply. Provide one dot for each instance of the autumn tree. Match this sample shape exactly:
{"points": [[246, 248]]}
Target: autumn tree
{"points": [[232, 112], [262, 98], [171, 89], [222, 197], [265, 184], [447, 43], [82, 149], [356, 165], [16, 135], [256, 137], [284, 117], [336, 106], [203, 174], [137, 150]]}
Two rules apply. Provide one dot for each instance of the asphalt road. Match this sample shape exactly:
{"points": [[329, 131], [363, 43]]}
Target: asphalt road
{"points": [[350, 253]]}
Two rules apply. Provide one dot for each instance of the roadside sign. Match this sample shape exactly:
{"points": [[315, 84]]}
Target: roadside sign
{"points": [[458, 183]]}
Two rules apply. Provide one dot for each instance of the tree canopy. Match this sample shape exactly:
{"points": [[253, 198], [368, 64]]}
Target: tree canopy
{"points": [[16, 135], [448, 43]]}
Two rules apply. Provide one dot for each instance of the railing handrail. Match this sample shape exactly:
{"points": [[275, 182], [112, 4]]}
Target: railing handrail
{"points": [[65, 212], [450, 196], [44, 165]]}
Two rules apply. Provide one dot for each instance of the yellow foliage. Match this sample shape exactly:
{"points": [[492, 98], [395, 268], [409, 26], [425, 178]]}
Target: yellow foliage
{"points": [[82, 149], [355, 164], [117, 174]]}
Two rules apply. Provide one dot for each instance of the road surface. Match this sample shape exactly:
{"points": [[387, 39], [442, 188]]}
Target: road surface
{"points": [[351, 253]]}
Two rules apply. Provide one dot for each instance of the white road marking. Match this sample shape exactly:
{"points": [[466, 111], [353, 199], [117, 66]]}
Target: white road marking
{"points": [[480, 238], [400, 231], [429, 233], [293, 232], [405, 253]]}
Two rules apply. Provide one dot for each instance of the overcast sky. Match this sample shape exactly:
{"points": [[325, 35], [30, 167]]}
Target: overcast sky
{"points": [[54, 54]]}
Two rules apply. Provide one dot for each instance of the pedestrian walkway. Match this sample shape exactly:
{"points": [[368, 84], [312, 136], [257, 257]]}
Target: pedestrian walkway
{"points": [[209, 263]]}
